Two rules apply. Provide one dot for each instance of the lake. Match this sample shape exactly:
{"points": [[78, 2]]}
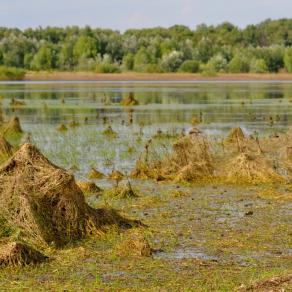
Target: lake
{"points": [[265, 107]]}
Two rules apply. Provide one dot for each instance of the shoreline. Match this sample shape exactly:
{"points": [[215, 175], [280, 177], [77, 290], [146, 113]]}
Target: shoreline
{"points": [[132, 76]]}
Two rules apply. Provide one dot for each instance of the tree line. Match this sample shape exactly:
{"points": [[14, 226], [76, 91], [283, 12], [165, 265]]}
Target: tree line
{"points": [[265, 47]]}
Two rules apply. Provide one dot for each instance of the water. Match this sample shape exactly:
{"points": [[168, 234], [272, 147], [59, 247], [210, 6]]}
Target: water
{"points": [[169, 106]]}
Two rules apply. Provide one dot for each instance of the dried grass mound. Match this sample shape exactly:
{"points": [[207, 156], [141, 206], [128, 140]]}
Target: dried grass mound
{"points": [[1, 116], [121, 192], [189, 161], [16, 103], [89, 187], [44, 202], [130, 100], [116, 175], [73, 124], [6, 150], [94, 174], [135, 244], [109, 132], [19, 254], [273, 284], [235, 135], [250, 168], [62, 128], [13, 127]]}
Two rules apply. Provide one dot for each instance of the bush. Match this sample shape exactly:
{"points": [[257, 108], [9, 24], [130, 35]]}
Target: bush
{"points": [[107, 68], [258, 66], [190, 66], [172, 61], [153, 68], [238, 65], [288, 60], [217, 64], [11, 73]]}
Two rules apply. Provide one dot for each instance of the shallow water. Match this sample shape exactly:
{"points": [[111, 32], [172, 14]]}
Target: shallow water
{"points": [[169, 106]]}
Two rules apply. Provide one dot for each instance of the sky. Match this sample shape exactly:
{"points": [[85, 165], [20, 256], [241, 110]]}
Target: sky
{"points": [[125, 14]]}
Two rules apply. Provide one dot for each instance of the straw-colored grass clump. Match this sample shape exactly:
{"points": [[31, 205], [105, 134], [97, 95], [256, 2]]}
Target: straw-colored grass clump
{"points": [[6, 150], [45, 204], [134, 244], [235, 135], [121, 192], [12, 127], [88, 187], [61, 128], [109, 132], [130, 100], [95, 174], [19, 254], [190, 160], [194, 158], [250, 168]]}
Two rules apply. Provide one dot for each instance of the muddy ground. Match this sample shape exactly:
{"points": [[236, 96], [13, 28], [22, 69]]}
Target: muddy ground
{"points": [[205, 238]]}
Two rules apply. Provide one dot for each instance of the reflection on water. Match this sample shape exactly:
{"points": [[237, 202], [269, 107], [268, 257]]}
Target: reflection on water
{"points": [[261, 106]]}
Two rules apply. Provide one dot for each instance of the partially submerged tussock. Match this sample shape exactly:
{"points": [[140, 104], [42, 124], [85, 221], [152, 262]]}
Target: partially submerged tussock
{"points": [[19, 254], [130, 100], [45, 204], [94, 174], [193, 158], [12, 127], [190, 160], [62, 128], [109, 132]]}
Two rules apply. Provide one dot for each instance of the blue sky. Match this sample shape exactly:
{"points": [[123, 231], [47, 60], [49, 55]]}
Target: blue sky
{"points": [[124, 14]]}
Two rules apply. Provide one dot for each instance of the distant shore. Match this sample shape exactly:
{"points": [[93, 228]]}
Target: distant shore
{"points": [[132, 76]]}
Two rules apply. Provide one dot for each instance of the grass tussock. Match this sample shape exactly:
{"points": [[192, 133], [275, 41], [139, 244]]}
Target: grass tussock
{"points": [[272, 284], [88, 187], [6, 150], [250, 168], [196, 159], [109, 132], [19, 254], [62, 128], [130, 100], [190, 160], [235, 135], [12, 127], [134, 244], [94, 174], [43, 202], [121, 192]]}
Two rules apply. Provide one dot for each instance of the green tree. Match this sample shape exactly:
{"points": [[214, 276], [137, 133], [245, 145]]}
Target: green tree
{"points": [[43, 60], [238, 64], [85, 47], [172, 61], [190, 66], [288, 59], [258, 66]]}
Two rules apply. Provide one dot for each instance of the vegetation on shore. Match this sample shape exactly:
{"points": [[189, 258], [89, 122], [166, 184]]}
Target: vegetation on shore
{"points": [[261, 48], [11, 73]]}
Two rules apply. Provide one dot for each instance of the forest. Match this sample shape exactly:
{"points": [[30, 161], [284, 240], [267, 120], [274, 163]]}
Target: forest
{"points": [[225, 48]]}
